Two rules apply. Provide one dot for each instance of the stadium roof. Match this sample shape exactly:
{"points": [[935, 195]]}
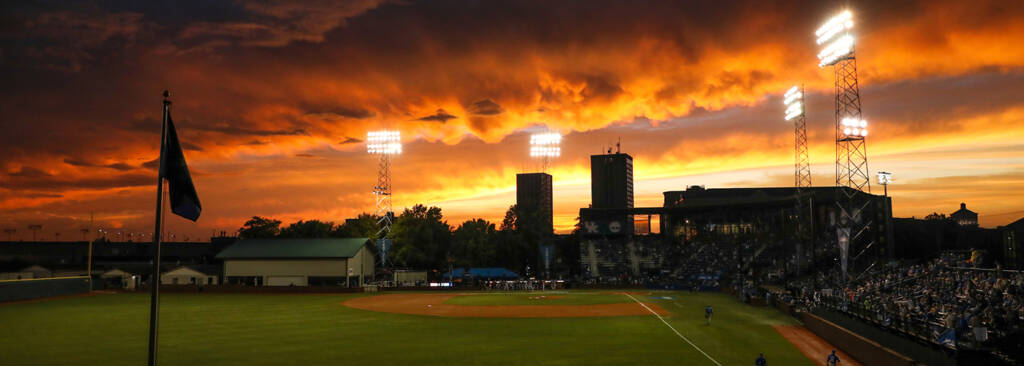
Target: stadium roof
{"points": [[293, 248]]}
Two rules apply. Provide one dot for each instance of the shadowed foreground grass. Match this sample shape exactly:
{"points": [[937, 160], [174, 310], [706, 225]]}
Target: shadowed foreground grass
{"points": [[243, 329]]}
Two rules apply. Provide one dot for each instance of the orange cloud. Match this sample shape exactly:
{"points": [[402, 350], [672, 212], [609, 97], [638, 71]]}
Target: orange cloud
{"points": [[691, 87]]}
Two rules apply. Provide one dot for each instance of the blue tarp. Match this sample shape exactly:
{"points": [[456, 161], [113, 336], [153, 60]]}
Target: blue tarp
{"points": [[494, 272]]}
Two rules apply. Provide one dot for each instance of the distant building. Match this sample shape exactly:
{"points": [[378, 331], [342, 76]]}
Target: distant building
{"points": [[188, 276], [723, 213], [298, 262], [1013, 242], [117, 278], [611, 181], [533, 195], [611, 187], [964, 217]]}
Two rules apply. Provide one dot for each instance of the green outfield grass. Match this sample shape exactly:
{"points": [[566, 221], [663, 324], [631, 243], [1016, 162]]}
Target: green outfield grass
{"points": [[241, 329], [540, 298]]}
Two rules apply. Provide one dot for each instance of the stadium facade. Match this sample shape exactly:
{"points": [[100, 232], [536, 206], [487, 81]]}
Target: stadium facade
{"points": [[612, 247]]}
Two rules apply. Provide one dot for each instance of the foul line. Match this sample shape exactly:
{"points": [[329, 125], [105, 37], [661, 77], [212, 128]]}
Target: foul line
{"points": [[673, 329]]}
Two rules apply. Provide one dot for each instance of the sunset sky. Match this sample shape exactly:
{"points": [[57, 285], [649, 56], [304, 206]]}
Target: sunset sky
{"points": [[273, 99]]}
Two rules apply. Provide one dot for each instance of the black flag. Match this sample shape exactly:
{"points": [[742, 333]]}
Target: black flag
{"points": [[184, 200]]}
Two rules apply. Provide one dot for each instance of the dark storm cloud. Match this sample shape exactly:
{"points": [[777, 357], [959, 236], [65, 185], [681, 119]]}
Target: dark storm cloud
{"points": [[81, 163], [190, 146], [341, 112], [278, 79], [53, 183], [440, 116], [485, 107], [42, 195], [349, 140], [241, 131], [29, 172], [152, 164]]}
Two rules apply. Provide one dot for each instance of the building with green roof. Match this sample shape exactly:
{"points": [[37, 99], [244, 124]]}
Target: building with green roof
{"points": [[299, 262]]}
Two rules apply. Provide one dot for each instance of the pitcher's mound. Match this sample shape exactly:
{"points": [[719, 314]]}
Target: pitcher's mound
{"points": [[434, 304]]}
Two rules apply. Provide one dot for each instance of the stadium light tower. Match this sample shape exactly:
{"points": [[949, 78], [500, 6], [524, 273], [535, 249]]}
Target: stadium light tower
{"points": [[852, 176], [545, 146], [384, 144], [795, 111]]}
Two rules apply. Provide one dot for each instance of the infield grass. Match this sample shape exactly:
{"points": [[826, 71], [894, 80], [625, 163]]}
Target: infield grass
{"points": [[244, 329]]}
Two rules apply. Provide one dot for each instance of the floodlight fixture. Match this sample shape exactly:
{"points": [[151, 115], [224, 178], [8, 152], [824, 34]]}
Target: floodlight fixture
{"points": [[384, 142], [854, 128], [794, 100], [545, 145], [833, 26], [835, 36], [884, 178]]}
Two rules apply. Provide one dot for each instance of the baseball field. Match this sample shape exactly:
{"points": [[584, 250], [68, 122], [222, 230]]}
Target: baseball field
{"points": [[535, 328]]}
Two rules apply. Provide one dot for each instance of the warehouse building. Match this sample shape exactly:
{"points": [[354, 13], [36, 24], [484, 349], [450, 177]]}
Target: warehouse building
{"points": [[298, 262]]}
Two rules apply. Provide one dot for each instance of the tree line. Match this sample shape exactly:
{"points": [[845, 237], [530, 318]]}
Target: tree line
{"points": [[422, 239]]}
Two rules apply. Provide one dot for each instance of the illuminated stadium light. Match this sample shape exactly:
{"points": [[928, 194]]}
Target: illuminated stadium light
{"points": [[854, 127], [884, 178], [793, 94], [836, 38], [545, 145], [384, 142], [835, 51], [832, 27], [794, 103]]}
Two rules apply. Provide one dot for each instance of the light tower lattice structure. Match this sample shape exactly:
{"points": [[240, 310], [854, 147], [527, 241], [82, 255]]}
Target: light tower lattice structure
{"points": [[384, 144], [796, 111], [545, 146], [852, 176]]}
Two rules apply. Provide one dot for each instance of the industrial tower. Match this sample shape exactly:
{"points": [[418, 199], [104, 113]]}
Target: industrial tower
{"points": [[851, 132]]}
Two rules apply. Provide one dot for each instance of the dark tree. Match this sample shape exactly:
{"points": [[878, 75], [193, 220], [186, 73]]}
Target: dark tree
{"points": [[520, 238], [260, 228], [473, 244], [420, 238], [308, 229], [363, 226]]}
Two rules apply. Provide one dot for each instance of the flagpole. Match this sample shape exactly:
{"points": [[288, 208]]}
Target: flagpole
{"points": [[154, 301]]}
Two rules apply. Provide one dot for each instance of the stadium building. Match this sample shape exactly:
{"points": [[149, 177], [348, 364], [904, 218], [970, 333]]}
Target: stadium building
{"points": [[533, 195], [298, 262], [615, 246]]}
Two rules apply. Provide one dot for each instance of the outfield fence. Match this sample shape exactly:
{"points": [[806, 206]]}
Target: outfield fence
{"points": [[28, 289]]}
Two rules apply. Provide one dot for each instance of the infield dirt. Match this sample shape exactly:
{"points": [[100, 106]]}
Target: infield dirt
{"points": [[434, 305]]}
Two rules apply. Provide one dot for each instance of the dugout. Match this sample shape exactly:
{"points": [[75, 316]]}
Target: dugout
{"points": [[298, 262]]}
